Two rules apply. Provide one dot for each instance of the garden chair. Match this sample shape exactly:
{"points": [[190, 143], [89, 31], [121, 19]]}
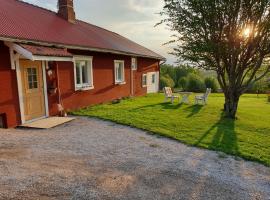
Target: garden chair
{"points": [[203, 98], [169, 95]]}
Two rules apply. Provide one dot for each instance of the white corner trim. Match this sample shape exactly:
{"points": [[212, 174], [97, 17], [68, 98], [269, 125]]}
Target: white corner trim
{"points": [[20, 93], [44, 66], [12, 58]]}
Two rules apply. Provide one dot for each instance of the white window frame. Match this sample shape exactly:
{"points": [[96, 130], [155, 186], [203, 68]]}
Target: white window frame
{"points": [[119, 82], [144, 76], [90, 85], [134, 63]]}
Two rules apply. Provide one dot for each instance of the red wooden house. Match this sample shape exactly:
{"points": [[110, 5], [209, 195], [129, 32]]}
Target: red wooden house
{"points": [[49, 58]]}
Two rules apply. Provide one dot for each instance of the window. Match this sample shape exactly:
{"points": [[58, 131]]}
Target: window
{"points": [[153, 78], [3, 121], [144, 80], [134, 63], [32, 78], [119, 70], [83, 73]]}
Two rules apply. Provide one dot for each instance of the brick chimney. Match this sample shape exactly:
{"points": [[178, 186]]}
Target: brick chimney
{"points": [[66, 10]]}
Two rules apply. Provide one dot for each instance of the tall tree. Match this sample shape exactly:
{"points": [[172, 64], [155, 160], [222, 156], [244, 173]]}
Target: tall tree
{"points": [[231, 37]]}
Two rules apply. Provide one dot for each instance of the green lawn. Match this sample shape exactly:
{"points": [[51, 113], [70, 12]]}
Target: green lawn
{"points": [[202, 126]]}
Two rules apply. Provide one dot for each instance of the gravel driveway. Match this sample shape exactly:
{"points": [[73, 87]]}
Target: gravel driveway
{"points": [[93, 159]]}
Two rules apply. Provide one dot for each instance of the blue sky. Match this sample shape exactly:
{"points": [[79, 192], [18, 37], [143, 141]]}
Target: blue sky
{"points": [[134, 19]]}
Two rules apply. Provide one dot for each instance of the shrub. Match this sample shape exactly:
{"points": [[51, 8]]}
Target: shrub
{"points": [[195, 83], [182, 83], [166, 81], [211, 83]]}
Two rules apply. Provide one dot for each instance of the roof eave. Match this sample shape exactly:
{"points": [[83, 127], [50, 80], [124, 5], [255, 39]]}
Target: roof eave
{"points": [[11, 39]]}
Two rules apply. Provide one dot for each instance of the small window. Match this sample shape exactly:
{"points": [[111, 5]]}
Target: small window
{"points": [[119, 69], [134, 63], [153, 78], [83, 73], [32, 78], [144, 80]]}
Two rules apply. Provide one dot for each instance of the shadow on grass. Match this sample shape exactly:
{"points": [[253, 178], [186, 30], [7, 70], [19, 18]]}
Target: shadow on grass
{"points": [[224, 136], [194, 109], [166, 105]]}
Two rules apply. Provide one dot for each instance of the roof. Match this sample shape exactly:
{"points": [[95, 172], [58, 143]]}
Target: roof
{"points": [[26, 22], [46, 51]]}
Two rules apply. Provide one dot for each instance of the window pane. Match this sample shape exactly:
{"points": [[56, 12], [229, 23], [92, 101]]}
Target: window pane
{"points": [[144, 80], [153, 78], [29, 71], [34, 71], [35, 85], [32, 78], [78, 73], [85, 73], [119, 71], [120, 75]]}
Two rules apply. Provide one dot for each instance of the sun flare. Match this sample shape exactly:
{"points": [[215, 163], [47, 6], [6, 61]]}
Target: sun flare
{"points": [[247, 32]]}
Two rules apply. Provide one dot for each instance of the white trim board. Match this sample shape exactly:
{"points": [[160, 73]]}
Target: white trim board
{"points": [[19, 83], [46, 102]]}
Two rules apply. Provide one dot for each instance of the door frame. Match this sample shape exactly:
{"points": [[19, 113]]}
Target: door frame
{"points": [[44, 65], [149, 78]]}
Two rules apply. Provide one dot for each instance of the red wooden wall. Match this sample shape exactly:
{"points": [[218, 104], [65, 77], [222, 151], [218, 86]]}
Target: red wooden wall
{"points": [[103, 74], [9, 100], [104, 88]]}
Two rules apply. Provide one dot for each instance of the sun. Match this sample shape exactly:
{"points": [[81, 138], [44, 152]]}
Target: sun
{"points": [[247, 32]]}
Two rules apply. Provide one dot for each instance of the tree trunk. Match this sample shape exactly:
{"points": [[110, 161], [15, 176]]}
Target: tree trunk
{"points": [[231, 105]]}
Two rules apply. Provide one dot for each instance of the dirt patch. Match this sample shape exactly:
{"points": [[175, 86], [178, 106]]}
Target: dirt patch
{"points": [[116, 182], [11, 151]]}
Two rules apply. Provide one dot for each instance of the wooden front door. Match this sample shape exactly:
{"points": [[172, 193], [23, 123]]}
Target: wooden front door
{"points": [[33, 90]]}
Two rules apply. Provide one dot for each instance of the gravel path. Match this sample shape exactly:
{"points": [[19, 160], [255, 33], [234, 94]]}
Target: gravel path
{"points": [[93, 159]]}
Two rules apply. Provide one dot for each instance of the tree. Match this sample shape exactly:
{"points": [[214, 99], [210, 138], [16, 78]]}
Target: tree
{"points": [[230, 37], [166, 81], [182, 83], [195, 83], [210, 82]]}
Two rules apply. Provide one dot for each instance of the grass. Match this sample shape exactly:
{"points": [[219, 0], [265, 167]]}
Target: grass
{"points": [[201, 126]]}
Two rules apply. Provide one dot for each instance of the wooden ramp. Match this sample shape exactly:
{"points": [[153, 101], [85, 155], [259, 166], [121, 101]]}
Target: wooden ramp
{"points": [[47, 122]]}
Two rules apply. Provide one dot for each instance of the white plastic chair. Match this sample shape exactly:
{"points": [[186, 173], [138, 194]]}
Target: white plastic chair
{"points": [[169, 95], [203, 98]]}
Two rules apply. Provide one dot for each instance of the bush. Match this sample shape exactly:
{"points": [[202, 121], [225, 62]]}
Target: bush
{"points": [[195, 83], [166, 81], [211, 83], [182, 83]]}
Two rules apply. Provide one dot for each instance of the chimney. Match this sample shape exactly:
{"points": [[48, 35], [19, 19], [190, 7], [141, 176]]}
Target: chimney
{"points": [[66, 10]]}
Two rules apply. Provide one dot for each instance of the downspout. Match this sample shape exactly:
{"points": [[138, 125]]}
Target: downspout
{"points": [[131, 82]]}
